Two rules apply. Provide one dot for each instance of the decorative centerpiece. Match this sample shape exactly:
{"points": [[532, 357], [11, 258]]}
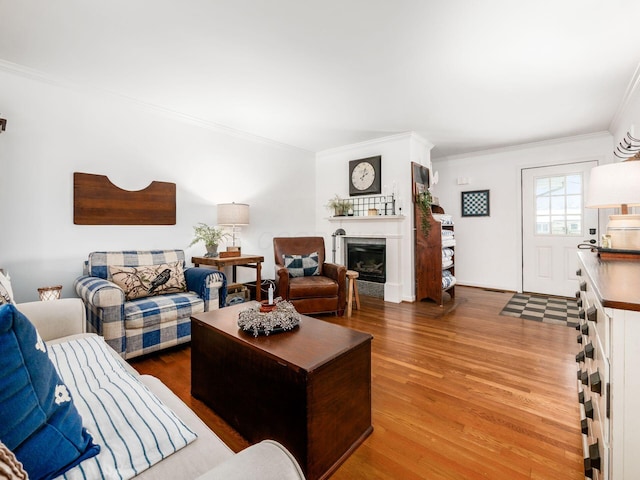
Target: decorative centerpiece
{"points": [[260, 319]]}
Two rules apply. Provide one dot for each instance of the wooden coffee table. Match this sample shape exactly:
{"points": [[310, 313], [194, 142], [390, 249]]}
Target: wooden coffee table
{"points": [[309, 389]]}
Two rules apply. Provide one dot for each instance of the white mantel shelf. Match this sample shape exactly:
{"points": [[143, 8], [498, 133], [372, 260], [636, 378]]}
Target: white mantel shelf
{"points": [[370, 235], [347, 218]]}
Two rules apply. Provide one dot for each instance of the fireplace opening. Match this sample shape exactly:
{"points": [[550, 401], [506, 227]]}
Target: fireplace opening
{"points": [[368, 260]]}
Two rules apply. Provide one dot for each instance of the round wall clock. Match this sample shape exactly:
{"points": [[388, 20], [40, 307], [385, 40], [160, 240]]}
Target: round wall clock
{"points": [[365, 176]]}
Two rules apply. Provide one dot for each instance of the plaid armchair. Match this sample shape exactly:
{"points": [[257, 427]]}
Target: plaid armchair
{"points": [[134, 327]]}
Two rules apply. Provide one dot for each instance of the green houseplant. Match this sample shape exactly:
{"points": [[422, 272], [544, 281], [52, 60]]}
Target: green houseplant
{"points": [[211, 236], [424, 201], [340, 206]]}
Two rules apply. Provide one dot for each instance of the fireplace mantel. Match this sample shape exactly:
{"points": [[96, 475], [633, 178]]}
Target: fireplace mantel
{"points": [[372, 235], [398, 240], [370, 218]]}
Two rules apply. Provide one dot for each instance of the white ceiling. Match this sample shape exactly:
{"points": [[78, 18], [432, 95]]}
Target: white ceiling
{"points": [[467, 75]]}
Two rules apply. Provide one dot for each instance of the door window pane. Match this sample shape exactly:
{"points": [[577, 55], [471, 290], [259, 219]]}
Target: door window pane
{"points": [[574, 224], [559, 205], [542, 225], [557, 185], [542, 206], [574, 204], [574, 184], [542, 186]]}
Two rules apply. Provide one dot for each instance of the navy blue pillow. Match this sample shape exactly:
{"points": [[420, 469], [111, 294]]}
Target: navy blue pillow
{"points": [[40, 423]]}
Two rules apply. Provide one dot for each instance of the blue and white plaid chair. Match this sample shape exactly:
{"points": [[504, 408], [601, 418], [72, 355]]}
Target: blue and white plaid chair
{"points": [[140, 326]]}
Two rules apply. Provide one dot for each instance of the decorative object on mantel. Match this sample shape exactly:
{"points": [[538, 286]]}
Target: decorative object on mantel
{"points": [[282, 318], [364, 206], [617, 185], [340, 206], [211, 237], [97, 201], [3, 124], [233, 215], [365, 176]]}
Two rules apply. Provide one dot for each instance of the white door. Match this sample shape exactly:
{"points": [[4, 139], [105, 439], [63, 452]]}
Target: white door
{"points": [[554, 222]]}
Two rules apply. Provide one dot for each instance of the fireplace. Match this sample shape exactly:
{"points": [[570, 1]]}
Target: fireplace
{"points": [[369, 260]]}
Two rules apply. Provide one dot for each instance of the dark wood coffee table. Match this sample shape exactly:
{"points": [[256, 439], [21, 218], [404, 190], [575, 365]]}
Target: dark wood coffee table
{"points": [[309, 389]]}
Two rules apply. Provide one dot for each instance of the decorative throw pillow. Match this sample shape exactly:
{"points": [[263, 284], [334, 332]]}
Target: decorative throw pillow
{"points": [[148, 280], [6, 294], [40, 423], [302, 265]]}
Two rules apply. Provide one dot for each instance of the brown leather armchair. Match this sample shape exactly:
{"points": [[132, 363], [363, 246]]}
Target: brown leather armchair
{"points": [[321, 293]]}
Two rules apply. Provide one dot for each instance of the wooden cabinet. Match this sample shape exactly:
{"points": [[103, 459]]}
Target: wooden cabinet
{"points": [[434, 256], [608, 355], [309, 389]]}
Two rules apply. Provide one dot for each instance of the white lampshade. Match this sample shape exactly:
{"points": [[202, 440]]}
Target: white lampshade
{"points": [[615, 185], [233, 214]]}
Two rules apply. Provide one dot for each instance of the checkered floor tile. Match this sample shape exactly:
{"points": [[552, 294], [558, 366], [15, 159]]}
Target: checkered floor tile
{"points": [[562, 311]]}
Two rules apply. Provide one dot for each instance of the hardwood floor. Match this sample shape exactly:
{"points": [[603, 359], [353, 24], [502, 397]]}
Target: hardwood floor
{"points": [[457, 393]]}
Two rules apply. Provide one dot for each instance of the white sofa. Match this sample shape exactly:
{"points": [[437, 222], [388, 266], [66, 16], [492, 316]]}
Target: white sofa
{"points": [[207, 457]]}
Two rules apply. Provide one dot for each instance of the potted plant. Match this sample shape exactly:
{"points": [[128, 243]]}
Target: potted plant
{"points": [[211, 236], [340, 206]]}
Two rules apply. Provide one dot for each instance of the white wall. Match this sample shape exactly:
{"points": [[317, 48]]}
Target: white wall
{"points": [[332, 177], [54, 130], [488, 249]]}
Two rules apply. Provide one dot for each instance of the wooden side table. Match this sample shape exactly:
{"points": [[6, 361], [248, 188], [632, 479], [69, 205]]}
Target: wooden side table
{"points": [[250, 261]]}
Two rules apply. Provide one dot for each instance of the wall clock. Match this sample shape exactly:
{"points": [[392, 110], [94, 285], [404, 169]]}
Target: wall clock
{"points": [[365, 176]]}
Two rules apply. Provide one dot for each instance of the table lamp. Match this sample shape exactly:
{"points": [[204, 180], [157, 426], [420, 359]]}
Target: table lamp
{"points": [[233, 215], [617, 185]]}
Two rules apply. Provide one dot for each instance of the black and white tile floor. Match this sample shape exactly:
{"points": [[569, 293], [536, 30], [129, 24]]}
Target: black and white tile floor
{"points": [[540, 308]]}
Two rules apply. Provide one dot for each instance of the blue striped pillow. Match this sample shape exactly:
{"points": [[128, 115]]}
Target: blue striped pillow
{"points": [[134, 428]]}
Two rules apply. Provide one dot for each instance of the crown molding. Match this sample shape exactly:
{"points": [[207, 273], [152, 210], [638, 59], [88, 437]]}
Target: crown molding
{"points": [[420, 139], [520, 146], [32, 74], [632, 89], [375, 141]]}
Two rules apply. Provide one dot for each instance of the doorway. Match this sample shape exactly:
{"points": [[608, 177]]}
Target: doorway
{"points": [[554, 222]]}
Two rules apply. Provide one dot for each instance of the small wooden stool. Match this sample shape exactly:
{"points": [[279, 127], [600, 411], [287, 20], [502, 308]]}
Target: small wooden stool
{"points": [[353, 291]]}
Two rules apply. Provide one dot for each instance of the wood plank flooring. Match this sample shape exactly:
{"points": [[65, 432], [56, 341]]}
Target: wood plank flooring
{"points": [[457, 393]]}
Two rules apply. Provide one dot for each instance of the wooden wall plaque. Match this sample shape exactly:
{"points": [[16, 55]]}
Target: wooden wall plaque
{"points": [[97, 201]]}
